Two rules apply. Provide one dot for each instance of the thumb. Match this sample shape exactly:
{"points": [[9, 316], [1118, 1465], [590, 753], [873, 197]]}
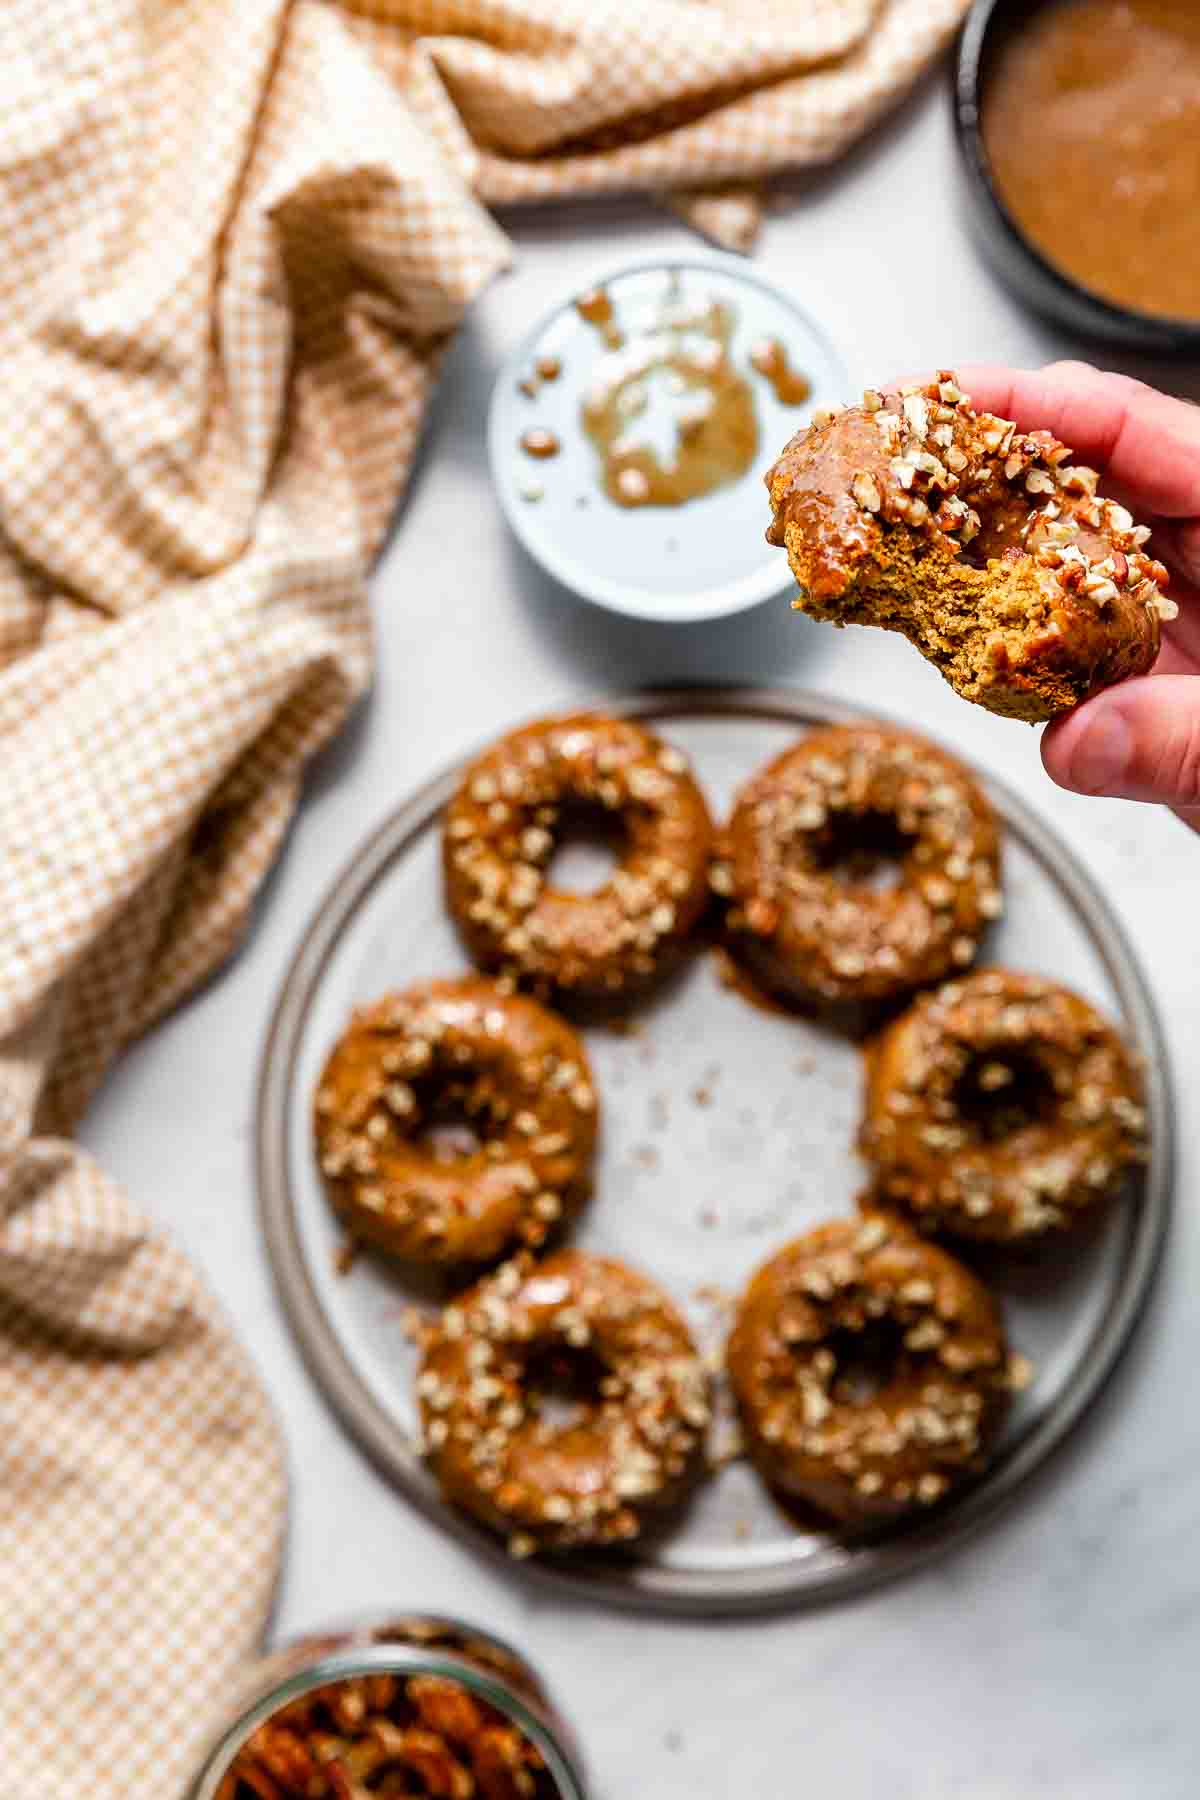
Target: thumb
{"points": [[1139, 741]]}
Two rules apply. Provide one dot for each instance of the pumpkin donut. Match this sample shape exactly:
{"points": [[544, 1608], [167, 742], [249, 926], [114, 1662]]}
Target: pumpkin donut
{"points": [[1001, 1107], [987, 547], [598, 1331], [869, 1368], [504, 824], [498, 1062], [801, 821]]}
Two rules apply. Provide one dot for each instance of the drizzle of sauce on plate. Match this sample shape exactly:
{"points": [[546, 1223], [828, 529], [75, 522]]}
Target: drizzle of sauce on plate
{"points": [[539, 442], [596, 308], [770, 358], [546, 368]]}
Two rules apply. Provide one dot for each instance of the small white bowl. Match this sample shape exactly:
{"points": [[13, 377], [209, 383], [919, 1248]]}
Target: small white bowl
{"points": [[700, 560]]}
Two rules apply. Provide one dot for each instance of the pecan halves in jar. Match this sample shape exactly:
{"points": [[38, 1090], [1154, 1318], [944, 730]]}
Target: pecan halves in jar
{"points": [[248, 1780], [284, 1756], [502, 1758], [377, 1735], [445, 1707], [425, 1753], [504, 1762]]}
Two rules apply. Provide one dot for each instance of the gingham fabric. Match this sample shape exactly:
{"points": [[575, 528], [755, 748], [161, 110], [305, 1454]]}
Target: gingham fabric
{"points": [[235, 235]]}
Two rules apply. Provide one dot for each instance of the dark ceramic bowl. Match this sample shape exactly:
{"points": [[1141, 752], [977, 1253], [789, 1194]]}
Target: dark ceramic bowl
{"points": [[989, 25]]}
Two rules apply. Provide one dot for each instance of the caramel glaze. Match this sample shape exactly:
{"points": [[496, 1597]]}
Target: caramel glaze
{"points": [[808, 932], [631, 1447], [938, 1074], [848, 1298], [769, 357], [716, 428], [496, 1059], [503, 826], [1091, 121]]}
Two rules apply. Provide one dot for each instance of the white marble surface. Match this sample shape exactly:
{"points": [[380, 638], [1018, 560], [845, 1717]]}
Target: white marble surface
{"points": [[1056, 1653]]}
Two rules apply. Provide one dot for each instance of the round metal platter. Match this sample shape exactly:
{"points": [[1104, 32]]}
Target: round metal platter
{"points": [[727, 1130]]}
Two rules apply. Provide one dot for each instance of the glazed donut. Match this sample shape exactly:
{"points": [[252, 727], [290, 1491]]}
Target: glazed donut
{"points": [[498, 1062], [1001, 1107], [805, 931], [640, 1402], [503, 826], [985, 546], [869, 1369]]}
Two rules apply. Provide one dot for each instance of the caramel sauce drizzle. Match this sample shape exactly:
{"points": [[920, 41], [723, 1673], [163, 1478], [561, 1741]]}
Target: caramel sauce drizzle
{"points": [[596, 308], [539, 442], [770, 358]]}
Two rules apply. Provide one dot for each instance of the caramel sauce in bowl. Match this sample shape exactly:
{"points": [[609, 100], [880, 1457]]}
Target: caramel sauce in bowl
{"points": [[670, 415], [1079, 124]]}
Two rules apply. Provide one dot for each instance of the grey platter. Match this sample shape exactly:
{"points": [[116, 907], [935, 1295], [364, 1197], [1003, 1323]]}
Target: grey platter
{"points": [[727, 1130]]}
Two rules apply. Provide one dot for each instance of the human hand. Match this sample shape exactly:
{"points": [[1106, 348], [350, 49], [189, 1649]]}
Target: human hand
{"points": [[1139, 740]]}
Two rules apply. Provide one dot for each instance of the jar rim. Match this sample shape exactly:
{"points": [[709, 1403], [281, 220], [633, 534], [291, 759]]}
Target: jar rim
{"points": [[387, 1659]]}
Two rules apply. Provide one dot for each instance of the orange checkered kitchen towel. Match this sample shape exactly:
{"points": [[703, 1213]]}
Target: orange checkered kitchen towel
{"points": [[235, 234]]}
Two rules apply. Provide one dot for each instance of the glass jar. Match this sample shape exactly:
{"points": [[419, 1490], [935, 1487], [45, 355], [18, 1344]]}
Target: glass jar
{"points": [[403, 1646]]}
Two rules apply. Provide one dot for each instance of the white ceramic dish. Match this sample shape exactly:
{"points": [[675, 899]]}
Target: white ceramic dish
{"points": [[676, 563]]}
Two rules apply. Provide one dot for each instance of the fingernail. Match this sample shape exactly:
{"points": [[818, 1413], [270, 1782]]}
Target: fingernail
{"points": [[1101, 754]]}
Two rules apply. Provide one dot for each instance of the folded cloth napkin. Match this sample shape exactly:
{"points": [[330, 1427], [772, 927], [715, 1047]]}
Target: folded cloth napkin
{"points": [[237, 234]]}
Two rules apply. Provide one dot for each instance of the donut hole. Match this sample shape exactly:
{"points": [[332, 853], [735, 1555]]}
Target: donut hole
{"points": [[563, 1383], [862, 849], [589, 842], [1001, 1093], [866, 1360], [452, 1120]]}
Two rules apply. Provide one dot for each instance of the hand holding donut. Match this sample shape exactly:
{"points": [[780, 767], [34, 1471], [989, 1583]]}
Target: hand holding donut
{"points": [[1138, 740]]}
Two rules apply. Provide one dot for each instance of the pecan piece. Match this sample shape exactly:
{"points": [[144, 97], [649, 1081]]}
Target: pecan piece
{"points": [[501, 1758], [445, 1707]]}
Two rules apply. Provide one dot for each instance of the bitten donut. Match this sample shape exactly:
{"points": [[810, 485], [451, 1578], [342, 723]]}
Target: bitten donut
{"points": [[987, 547], [1000, 1107], [611, 1348], [870, 1370], [786, 867], [505, 822], [467, 1054]]}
